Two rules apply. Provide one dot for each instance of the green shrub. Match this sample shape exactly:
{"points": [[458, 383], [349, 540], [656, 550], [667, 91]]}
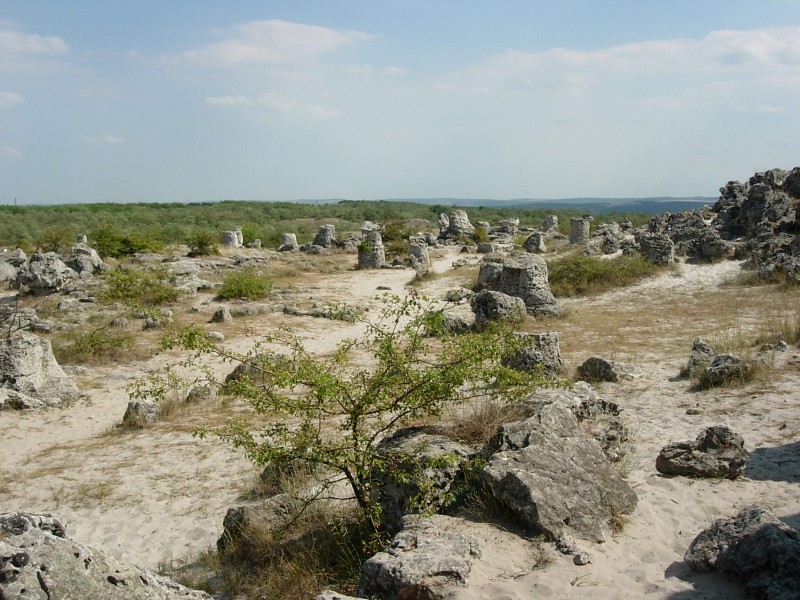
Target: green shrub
{"points": [[203, 243], [103, 345], [133, 287], [480, 236], [247, 283], [110, 241], [54, 239], [580, 275]]}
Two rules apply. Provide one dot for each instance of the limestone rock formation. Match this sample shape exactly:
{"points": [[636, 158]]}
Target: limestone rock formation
{"points": [[755, 546], [8, 272], [416, 449], [326, 237], [427, 559], [701, 356], [371, 253], [141, 413], [45, 274], [491, 306], [288, 243], [222, 315], [38, 562], [656, 247], [85, 260], [30, 377], [555, 479], [723, 369], [418, 256], [579, 230], [535, 243], [596, 368], [550, 223], [265, 515], [539, 353], [459, 225], [523, 276], [717, 452]]}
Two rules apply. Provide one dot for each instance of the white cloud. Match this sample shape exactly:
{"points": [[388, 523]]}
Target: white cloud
{"points": [[228, 100], [31, 43], [9, 100], [105, 138], [287, 104], [769, 109], [7, 151], [274, 42], [725, 54], [394, 71]]}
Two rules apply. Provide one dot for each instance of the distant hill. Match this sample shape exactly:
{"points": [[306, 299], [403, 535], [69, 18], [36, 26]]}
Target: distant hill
{"points": [[653, 205]]}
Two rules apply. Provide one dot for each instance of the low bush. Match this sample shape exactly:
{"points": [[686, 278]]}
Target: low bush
{"points": [[582, 275], [203, 243], [104, 345], [247, 283], [151, 287]]}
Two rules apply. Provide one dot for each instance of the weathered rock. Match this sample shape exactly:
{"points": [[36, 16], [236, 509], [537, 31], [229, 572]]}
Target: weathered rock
{"points": [[450, 324], [8, 272], [724, 369], [656, 247], [507, 227], [579, 230], [120, 323], [30, 377], [758, 548], [523, 276], [418, 256], [700, 358], [491, 306], [265, 515], [550, 223], [717, 452], [459, 225], [331, 595], [485, 248], [45, 274], [16, 258], [539, 353], [199, 393], [444, 222], [326, 237], [556, 479], [141, 413], [85, 260], [222, 315], [231, 239], [371, 253], [424, 467], [426, 560], [535, 243], [38, 562], [288, 243], [600, 369], [458, 295]]}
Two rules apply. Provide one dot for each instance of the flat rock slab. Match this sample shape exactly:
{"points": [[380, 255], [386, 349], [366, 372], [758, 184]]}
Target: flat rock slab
{"points": [[427, 559], [38, 562]]}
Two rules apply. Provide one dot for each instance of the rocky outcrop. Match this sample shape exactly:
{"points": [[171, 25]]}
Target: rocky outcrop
{"points": [[523, 276], [222, 315], [326, 237], [371, 253], [30, 377], [596, 368], [701, 356], [556, 479], [418, 256], [38, 562], [538, 353], [459, 225], [288, 243], [724, 369], [755, 546], [269, 514], [579, 230], [44, 274], [550, 223], [85, 260], [490, 306], [139, 414], [8, 272], [233, 238], [656, 247], [427, 560], [424, 466], [717, 452], [535, 243]]}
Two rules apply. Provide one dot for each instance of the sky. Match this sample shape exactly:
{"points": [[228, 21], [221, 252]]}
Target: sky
{"points": [[197, 101]]}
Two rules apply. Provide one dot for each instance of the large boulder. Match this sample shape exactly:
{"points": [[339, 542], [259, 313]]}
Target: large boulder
{"points": [[656, 247], [755, 546], [266, 515], [459, 225], [8, 272], [596, 368], [523, 276], [85, 260], [701, 356], [371, 253], [538, 353], [535, 243], [326, 237], [717, 452], [288, 243], [490, 306], [424, 466], [579, 230], [556, 479], [38, 562], [30, 377], [418, 256], [45, 274], [427, 560], [550, 223], [724, 369]]}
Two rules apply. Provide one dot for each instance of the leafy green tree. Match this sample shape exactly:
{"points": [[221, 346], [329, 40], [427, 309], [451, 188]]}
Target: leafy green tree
{"points": [[54, 239], [330, 412], [203, 243]]}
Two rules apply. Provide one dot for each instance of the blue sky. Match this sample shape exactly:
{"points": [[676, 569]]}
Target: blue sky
{"points": [[174, 101]]}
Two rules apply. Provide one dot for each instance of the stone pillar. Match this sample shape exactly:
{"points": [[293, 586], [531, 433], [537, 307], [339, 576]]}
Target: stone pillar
{"points": [[579, 230], [371, 254]]}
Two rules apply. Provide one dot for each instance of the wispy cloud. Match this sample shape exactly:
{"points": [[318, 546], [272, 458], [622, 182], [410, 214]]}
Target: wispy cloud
{"points": [[273, 43], [106, 138], [229, 100], [287, 104], [31, 43], [7, 151], [769, 109], [9, 100]]}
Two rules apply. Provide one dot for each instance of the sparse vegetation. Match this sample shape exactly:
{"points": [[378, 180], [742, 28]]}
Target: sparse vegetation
{"points": [[101, 345], [246, 283], [134, 287], [577, 275]]}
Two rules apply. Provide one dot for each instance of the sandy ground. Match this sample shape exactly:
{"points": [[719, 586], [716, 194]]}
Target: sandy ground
{"points": [[158, 496]]}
